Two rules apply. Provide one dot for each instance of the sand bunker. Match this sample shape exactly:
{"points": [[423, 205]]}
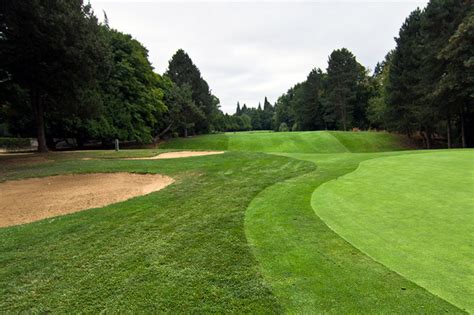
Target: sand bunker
{"points": [[28, 200], [179, 154]]}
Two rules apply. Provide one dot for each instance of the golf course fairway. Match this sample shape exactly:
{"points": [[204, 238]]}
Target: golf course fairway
{"points": [[324, 228], [421, 229]]}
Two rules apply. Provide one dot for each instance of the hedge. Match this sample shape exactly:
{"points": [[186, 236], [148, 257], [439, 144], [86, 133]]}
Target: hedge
{"points": [[14, 143]]}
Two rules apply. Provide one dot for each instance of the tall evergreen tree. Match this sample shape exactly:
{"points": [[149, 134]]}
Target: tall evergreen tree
{"points": [[238, 111], [342, 75], [181, 70], [456, 86], [402, 90], [309, 110]]}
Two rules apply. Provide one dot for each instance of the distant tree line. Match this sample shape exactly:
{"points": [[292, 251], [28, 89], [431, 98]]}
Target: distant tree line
{"points": [[64, 75], [424, 87]]}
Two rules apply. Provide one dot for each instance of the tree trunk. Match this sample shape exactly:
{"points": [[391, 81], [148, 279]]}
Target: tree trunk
{"points": [[463, 132], [38, 110], [448, 131]]}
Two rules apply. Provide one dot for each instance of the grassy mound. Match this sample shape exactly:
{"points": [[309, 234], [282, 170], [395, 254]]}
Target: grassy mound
{"points": [[420, 228], [292, 142]]}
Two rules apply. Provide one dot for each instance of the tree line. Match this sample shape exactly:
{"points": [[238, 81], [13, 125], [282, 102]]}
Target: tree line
{"points": [[64, 75], [424, 87]]}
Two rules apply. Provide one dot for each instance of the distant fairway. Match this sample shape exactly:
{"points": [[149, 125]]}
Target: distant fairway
{"points": [[292, 142], [414, 214]]}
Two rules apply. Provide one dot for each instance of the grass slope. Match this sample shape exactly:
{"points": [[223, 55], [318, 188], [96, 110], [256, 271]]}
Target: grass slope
{"points": [[309, 267], [292, 142], [420, 228], [182, 249], [365, 141]]}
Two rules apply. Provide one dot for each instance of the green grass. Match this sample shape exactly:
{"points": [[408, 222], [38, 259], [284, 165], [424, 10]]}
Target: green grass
{"points": [[365, 141], [310, 268], [235, 233], [414, 214], [292, 142], [182, 249]]}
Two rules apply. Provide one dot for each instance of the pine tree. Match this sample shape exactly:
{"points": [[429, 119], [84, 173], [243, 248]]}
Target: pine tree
{"points": [[456, 86], [402, 90], [342, 77], [181, 70]]}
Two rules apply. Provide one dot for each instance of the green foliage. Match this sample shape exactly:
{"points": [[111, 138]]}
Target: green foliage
{"points": [[337, 99], [182, 71], [377, 104], [422, 93], [344, 75], [56, 52], [132, 94], [283, 127], [14, 143]]}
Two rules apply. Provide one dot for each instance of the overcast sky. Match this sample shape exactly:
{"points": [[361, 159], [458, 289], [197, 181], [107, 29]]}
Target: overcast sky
{"points": [[247, 50]]}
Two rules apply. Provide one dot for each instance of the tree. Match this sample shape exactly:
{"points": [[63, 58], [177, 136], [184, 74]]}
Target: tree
{"points": [[54, 50], [456, 86], [181, 70], [377, 105], [132, 93], [343, 76], [402, 90], [308, 104], [267, 115], [284, 113], [237, 111]]}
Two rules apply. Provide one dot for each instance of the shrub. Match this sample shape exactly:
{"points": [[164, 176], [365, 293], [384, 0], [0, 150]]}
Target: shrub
{"points": [[14, 143], [283, 127]]}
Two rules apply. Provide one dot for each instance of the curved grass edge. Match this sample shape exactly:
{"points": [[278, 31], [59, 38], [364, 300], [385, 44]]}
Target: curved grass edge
{"points": [[310, 268], [367, 163]]}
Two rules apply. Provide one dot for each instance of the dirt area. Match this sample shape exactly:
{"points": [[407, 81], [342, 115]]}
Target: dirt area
{"points": [[23, 201], [179, 154]]}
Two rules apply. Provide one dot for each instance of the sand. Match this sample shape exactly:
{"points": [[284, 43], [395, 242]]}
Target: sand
{"points": [[24, 201], [178, 154]]}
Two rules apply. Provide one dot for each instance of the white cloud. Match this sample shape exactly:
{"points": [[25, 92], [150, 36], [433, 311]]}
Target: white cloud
{"points": [[247, 50]]}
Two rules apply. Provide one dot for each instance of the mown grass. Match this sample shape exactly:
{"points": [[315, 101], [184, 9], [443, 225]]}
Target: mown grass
{"points": [[292, 142], [182, 249], [369, 141], [414, 214], [186, 249], [309, 267]]}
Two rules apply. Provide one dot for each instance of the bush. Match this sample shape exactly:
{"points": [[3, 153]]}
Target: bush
{"points": [[15, 143], [283, 127]]}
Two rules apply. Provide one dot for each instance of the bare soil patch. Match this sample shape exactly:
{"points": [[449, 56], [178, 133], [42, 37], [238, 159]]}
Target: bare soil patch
{"points": [[179, 154], [24, 201]]}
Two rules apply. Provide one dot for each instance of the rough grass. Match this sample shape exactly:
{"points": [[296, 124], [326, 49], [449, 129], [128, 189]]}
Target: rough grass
{"points": [[292, 142], [309, 267], [415, 215], [182, 249]]}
